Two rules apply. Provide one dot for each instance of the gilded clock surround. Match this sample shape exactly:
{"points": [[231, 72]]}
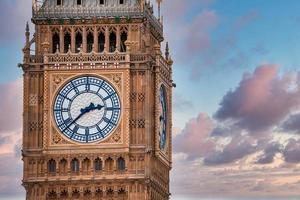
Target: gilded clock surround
{"points": [[116, 79], [129, 163]]}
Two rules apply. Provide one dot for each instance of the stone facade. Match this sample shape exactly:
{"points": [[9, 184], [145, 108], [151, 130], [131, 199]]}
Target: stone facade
{"points": [[125, 50]]}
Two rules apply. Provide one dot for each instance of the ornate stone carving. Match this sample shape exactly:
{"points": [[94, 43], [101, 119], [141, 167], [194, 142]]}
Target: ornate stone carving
{"points": [[33, 99], [116, 137], [57, 138]]}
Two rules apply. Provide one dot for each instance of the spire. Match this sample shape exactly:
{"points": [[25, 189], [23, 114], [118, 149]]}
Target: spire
{"points": [[27, 27], [27, 34], [167, 53], [159, 6]]}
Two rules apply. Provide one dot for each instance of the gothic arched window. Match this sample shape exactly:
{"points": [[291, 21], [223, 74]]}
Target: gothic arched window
{"points": [[55, 42], [86, 165], [101, 42], [112, 42], [78, 43], [101, 2], [123, 40], [79, 2], [90, 42], [59, 2], [121, 1], [67, 42], [98, 164], [52, 166], [75, 165], [121, 164]]}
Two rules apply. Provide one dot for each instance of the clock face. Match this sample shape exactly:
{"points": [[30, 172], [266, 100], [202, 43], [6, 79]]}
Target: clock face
{"points": [[163, 118], [87, 109]]}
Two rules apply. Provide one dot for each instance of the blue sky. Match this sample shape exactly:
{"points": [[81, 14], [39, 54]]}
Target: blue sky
{"points": [[236, 117]]}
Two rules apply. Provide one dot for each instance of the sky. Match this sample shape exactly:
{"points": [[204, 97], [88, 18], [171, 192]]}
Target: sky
{"points": [[236, 105]]}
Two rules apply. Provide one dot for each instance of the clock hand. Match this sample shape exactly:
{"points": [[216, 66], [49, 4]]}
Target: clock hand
{"points": [[83, 111]]}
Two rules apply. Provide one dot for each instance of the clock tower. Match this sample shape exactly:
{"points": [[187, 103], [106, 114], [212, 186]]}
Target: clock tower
{"points": [[97, 102]]}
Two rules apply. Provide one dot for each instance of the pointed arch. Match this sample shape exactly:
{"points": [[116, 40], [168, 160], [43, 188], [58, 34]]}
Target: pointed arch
{"points": [[124, 37], [75, 165], [55, 42], [78, 42], [90, 42], [52, 166], [98, 165], [112, 42], [101, 42], [121, 164]]}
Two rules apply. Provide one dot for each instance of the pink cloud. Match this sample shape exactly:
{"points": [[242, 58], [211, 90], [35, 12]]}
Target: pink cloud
{"points": [[10, 138], [261, 101], [194, 139]]}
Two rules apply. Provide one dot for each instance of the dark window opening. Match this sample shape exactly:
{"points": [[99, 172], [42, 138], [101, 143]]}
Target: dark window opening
{"points": [[55, 42], [101, 2], [101, 41], [67, 42], [90, 42], [59, 2], [52, 166], [112, 42], [121, 1], [79, 2], [75, 165], [64, 194], [121, 164], [98, 164], [78, 43], [99, 193], [123, 40], [110, 193]]}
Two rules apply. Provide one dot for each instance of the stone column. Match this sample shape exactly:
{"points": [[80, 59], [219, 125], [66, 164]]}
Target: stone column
{"points": [[84, 40], [95, 39], [61, 40], [118, 38], [106, 46], [73, 39]]}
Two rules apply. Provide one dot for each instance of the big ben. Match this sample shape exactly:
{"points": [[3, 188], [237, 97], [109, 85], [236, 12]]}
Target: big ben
{"points": [[97, 114]]}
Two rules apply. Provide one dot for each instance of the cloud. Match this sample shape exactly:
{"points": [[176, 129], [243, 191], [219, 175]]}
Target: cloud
{"points": [[261, 100], [10, 138], [194, 139], [235, 150], [292, 124], [291, 152], [269, 153]]}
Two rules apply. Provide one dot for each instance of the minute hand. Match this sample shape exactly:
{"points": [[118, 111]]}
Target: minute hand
{"points": [[83, 111]]}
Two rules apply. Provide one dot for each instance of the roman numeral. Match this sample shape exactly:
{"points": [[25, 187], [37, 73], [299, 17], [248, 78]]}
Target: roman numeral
{"points": [[109, 96], [75, 88], [108, 121], [65, 97], [68, 121], [100, 131], [112, 108]]}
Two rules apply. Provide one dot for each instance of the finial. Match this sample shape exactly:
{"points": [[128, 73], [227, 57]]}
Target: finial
{"points": [[27, 27], [167, 51]]}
